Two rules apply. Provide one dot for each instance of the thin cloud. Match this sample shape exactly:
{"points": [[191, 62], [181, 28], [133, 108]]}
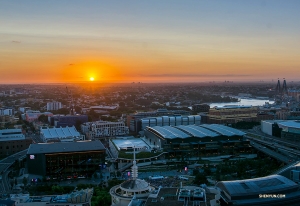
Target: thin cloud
{"points": [[16, 42], [196, 75]]}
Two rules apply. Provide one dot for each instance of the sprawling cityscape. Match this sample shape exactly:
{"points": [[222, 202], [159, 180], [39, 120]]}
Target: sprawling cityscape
{"points": [[193, 103]]}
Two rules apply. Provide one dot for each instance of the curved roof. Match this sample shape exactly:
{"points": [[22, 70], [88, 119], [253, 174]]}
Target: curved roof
{"points": [[291, 124], [274, 184], [197, 131], [223, 130], [170, 132], [137, 185]]}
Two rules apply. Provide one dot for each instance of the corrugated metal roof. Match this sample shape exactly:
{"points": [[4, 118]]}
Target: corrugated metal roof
{"points": [[224, 130], [170, 132], [198, 131], [59, 133]]}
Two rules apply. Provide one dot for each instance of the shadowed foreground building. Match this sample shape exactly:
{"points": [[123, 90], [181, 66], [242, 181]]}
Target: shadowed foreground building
{"points": [[274, 190], [68, 160]]}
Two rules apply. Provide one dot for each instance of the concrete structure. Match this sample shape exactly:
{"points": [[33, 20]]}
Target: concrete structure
{"points": [[76, 198], [232, 114], [69, 160], [66, 134], [121, 195], [271, 190], [100, 129], [51, 106]]}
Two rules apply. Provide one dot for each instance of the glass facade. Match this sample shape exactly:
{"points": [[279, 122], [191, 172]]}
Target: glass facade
{"points": [[73, 165]]}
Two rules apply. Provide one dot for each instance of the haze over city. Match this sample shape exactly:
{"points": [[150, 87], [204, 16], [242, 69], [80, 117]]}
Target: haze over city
{"points": [[148, 41]]}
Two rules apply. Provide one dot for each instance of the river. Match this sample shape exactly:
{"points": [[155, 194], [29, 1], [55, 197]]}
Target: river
{"points": [[245, 102]]}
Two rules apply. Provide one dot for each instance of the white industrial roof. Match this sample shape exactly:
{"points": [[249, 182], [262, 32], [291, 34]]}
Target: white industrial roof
{"points": [[197, 131], [59, 133], [130, 143]]}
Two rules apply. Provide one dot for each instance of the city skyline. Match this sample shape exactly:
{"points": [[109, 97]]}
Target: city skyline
{"points": [[143, 41]]}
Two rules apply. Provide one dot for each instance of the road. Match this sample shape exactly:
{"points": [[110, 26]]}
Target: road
{"points": [[270, 152], [4, 166]]}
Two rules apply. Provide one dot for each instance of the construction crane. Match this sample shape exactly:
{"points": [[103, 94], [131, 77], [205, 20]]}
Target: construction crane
{"points": [[71, 102]]}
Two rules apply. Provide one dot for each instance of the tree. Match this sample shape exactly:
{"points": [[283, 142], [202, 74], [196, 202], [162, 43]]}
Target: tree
{"points": [[78, 125], [25, 181], [43, 118], [195, 172], [64, 111], [207, 171], [200, 179], [95, 175]]}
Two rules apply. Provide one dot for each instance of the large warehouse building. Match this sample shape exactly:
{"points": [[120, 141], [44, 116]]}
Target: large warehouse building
{"points": [[197, 140], [65, 160], [286, 129]]}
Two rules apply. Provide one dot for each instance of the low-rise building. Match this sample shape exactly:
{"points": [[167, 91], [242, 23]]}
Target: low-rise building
{"points": [[100, 129], [232, 114], [62, 134], [12, 141], [77, 198], [65, 160]]}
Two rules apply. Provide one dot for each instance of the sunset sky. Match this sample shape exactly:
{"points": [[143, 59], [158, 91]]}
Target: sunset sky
{"points": [[149, 41]]}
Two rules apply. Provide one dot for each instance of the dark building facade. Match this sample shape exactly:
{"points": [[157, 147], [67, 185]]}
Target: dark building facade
{"points": [[10, 147], [200, 108], [65, 160], [70, 120]]}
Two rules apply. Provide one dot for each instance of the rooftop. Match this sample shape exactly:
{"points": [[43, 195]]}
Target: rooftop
{"points": [[274, 184], [293, 124], [197, 131], [58, 147], [223, 130], [52, 133], [129, 143], [170, 132]]}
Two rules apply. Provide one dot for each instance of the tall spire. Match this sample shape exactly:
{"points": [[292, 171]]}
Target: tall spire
{"points": [[278, 87], [134, 167], [284, 87]]}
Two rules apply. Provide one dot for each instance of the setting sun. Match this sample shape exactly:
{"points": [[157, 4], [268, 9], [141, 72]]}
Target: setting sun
{"points": [[92, 79]]}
